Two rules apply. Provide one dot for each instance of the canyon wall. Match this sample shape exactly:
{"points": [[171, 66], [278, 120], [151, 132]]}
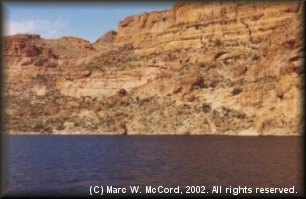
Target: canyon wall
{"points": [[220, 68]]}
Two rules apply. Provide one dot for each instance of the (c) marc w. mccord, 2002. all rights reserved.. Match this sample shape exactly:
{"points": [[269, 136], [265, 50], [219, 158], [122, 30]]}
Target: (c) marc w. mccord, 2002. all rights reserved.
{"points": [[100, 190]]}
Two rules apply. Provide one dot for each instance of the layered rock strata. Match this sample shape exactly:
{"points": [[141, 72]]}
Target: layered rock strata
{"points": [[199, 68]]}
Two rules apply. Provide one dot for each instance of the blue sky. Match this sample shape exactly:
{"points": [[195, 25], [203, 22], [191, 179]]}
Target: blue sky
{"points": [[85, 20]]}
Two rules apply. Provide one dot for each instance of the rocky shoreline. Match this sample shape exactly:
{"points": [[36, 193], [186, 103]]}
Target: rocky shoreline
{"points": [[244, 133]]}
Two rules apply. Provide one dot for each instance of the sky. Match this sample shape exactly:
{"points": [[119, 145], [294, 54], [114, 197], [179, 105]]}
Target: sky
{"points": [[88, 20]]}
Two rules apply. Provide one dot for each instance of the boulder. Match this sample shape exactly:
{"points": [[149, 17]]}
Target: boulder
{"points": [[121, 129], [122, 92], [26, 61]]}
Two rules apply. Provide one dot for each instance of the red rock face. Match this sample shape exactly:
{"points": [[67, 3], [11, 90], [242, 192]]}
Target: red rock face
{"points": [[22, 45], [76, 43], [198, 68], [108, 37], [201, 20]]}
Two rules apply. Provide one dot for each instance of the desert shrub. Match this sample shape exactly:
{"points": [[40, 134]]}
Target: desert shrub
{"points": [[38, 125], [186, 106], [191, 98], [238, 114], [255, 57], [206, 107], [202, 64], [60, 127], [145, 101], [108, 105], [180, 112], [131, 57], [46, 130], [279, 94], [225, 111], [236, 90], [215, 114], [214, 83], [218, 42], [122, 92], [212, 65]]}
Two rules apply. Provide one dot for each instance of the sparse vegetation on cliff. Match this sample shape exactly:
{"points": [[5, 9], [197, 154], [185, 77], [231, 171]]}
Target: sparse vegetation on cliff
{"points": [[210, 76]]}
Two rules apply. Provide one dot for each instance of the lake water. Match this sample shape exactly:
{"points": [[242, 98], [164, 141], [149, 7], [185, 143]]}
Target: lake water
{"points": [[69, 165]]}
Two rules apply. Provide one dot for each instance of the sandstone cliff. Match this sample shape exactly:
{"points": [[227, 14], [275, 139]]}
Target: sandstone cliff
{"points": [[200, 68]]}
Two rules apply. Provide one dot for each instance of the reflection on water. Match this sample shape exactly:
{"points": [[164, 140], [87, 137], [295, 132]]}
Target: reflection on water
{"points": [[71, 164]]}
